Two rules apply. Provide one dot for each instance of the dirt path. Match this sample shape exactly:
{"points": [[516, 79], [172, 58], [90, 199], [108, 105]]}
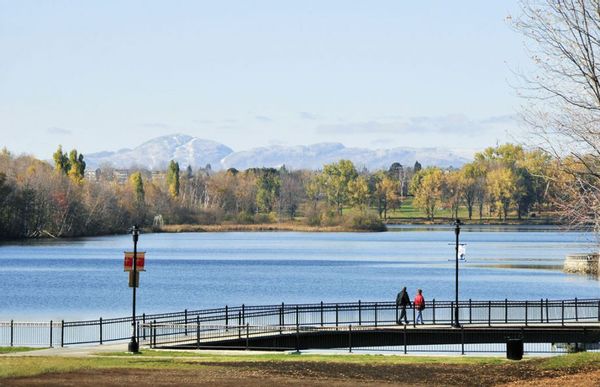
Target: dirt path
{"points": [[318, 374]]}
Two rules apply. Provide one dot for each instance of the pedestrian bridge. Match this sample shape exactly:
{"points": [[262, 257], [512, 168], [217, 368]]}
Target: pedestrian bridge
{"points": [[544, 325], [484, 326]]}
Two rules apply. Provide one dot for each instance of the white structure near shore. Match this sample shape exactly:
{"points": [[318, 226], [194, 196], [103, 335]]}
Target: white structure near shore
{"points": [[582, 263]]}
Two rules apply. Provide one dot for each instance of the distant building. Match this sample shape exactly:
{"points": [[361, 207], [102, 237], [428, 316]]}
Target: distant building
{"points": [[121, 175], [159, 176], [92, 175]]}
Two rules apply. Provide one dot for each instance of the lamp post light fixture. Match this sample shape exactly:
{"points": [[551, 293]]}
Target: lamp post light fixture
{"points": [[456, 323], [134, 345]]}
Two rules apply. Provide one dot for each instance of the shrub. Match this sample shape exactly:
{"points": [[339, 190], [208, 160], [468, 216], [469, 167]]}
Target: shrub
{"points": [[364, 221]]}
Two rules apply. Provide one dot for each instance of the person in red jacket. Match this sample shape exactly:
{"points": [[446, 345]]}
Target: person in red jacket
{"points": [[419, 304]]}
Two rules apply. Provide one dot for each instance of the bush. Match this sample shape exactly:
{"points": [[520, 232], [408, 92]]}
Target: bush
{"points": [[364, 221]]}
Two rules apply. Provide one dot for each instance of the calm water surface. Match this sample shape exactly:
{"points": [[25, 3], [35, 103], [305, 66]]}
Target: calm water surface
{"points": [[84, 278]]}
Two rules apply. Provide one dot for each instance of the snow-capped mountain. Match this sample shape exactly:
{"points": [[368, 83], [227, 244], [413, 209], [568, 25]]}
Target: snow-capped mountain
{"points": [[155, 154], [314, 156]]}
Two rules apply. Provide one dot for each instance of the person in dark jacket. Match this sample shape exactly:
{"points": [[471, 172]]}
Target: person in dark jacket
{"points": [[402, 300]]}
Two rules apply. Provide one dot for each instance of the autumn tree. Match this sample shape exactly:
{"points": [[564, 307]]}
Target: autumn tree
{"points": [[334, 181], [426, 186]]}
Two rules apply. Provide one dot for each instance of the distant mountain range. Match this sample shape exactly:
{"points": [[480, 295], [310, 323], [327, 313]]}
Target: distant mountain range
{"points": [[155, 154]]}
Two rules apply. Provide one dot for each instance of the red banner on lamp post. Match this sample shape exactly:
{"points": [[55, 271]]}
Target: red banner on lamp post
{"points": [[139, 264]]}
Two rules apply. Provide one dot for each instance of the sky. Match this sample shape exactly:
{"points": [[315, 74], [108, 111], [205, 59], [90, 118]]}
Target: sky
{"points": [[107, 75]]}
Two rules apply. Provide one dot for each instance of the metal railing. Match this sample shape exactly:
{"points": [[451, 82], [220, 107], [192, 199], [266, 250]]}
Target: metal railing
{"points": [[357, 314], [368, 338]]}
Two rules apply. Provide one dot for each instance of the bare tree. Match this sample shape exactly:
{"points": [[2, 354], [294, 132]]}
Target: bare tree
{"points": [[563, 94]]}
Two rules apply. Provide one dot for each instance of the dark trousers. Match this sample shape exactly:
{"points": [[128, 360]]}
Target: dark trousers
{"points": [[403, 314]]}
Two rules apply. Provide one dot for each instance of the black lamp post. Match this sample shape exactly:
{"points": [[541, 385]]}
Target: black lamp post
{"points": [[134, 346], [456, 323]]}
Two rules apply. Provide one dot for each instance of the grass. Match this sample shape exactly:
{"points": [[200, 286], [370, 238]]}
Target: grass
{"points": [[149, 359], [17, 349], [292, 357]]}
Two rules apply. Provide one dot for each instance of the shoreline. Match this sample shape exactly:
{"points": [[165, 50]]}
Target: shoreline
{"points": [[299, 227]]}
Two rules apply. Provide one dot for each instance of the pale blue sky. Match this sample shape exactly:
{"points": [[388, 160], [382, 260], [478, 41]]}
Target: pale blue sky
{"points": [[105, 75]]}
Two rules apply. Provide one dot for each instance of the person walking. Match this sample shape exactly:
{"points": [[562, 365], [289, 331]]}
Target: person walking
{"points": [[419, 305], [402, 300]]}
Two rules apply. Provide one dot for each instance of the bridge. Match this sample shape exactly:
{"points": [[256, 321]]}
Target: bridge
{"points": [[485, 326], [543, 325]]}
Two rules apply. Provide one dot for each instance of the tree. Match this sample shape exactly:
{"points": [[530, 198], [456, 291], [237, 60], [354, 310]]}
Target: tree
{"points": [[501, 187], [359, 192], [453, 186], [77, 166], [563, 94], [61, 161], [417, 167], [334, 182], [268, 184], [426, 187], [137, 185], [173, 178], [473, 178]]}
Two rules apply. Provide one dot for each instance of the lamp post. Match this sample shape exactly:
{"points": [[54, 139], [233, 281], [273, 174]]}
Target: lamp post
{"points": [[456, 323], [134, 345]]}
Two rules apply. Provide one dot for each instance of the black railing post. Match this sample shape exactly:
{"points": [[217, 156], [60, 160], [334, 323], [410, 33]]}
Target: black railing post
{"points": [[282, 314], [12, 332], [396, 311], [506, 311], [155, 328], [541, 310], [185, 321], [451, 313], [100, 320], [462, 340], [598, 310], [197, 331], [562, 313], [433, 306], [62, 333], [239, 324], [50, 333], [297, 337], [247, 336], [375, 314], [297, 315], [360, 313], [414, 316], [405, 349], [548, 314], [226, 318], [489, 313], [243, 313], [470, 313], [151, 336], [144, 322], [337, 311], [350, 338], [576, 312], [321, 313], [526, 312]]}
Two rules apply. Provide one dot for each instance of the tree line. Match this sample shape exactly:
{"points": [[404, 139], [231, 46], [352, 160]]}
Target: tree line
{"points": [[40, 199]]}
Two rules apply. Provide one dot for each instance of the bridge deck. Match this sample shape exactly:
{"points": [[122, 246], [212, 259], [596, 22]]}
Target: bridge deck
{"points": [[283, 338]]}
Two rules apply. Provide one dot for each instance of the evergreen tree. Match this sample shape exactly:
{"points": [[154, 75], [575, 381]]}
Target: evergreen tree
{"points": [[61, 161], [173, 178]]}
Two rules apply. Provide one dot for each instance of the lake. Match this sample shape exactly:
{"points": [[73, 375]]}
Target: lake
{"points": [[84, 278]]}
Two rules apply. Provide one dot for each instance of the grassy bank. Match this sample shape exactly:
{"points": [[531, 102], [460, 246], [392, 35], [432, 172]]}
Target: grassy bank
{"points": [[4, 350], [181, 368]]}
